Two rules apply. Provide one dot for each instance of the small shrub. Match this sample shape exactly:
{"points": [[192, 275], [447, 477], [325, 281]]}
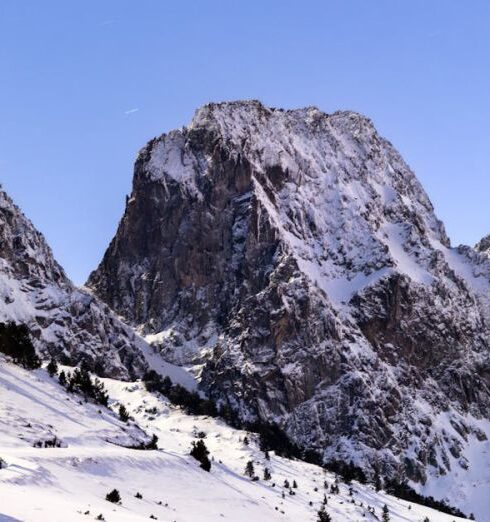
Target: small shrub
{"points": [[113, 496], [123, 413], [52, 367], [249, 469]]}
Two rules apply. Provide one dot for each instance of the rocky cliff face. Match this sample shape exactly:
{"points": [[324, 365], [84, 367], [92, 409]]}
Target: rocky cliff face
{"points": [[483, 246], [65, 321], [295, 260]]}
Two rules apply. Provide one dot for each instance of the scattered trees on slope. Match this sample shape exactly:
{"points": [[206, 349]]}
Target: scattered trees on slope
{"points": [[405, 492]]}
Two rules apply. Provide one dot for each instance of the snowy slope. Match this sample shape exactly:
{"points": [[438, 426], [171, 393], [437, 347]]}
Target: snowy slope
{"points": [[70, 483]]}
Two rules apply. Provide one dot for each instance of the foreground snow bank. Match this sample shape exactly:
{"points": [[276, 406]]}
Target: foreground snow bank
{"points": [[69, 483]]}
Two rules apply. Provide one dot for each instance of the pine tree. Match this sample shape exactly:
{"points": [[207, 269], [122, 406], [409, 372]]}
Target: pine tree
{"points": [[249, 469], [386, 514], [62, 378], [113, 496], [267, 474], [200, 452], [323, 516], [15, 341], [266, 455], [286, 484], [52, 367], [123, 413], [295, 484], [245, 441], [153, 444]]}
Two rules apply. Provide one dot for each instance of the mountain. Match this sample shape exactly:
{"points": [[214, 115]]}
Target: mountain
{"points": [[64, 321], [295, 262], [93, 455]]}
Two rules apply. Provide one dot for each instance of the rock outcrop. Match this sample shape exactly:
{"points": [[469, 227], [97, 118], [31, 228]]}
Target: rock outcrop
{"points": [[294, 259], [65, 321]]}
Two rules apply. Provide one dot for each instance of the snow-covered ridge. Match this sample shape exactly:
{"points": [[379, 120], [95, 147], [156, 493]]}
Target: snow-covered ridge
{"points": [[64, 320]]}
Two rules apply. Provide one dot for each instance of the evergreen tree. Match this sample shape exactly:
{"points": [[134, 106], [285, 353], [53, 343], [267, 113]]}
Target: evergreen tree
{"points": [[113, 496], [266, 455], [52, 367], [323, 516], [377, 481], [62, 378], [123, 413], [249, 469], [200, 452], [295, 484], [267, 474], [245, 441], [15, 342], [153, 444], [386, 514]]}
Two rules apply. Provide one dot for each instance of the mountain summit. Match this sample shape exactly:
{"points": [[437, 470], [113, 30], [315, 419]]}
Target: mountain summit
{"points": [[295, 261]]}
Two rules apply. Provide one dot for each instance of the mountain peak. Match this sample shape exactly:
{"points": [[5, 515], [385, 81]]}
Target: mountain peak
{"points": [[245, 119], [294, 257]]}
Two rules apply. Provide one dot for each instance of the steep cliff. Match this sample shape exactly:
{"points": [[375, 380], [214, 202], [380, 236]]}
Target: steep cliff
{"points": [[294, 259]]}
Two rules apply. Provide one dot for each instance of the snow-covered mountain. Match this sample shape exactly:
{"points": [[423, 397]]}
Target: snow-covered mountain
{"points": [[295, 261], [93, 456], [64, 320]]}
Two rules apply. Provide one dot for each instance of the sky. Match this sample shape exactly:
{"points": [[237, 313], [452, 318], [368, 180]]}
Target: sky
{"points": [[85, 84]]}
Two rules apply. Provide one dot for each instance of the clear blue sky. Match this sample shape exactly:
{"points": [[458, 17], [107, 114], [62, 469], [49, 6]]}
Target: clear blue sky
{"points": [[73, 74]]}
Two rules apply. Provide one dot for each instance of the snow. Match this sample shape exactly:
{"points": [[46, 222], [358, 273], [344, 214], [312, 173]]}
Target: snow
{"points": [[465, 486], [70, 483], [405, 263]]}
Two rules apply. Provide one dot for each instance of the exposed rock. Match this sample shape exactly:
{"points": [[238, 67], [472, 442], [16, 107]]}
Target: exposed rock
{"points": [[65, 321], [483, 246], [295, 256]]}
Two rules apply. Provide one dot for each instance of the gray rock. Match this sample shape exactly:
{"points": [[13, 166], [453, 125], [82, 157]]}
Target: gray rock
{"points": [[296, 259]]}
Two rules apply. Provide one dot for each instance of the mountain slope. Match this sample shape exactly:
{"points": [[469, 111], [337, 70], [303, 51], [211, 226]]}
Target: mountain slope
{"points": [[64, 320], [295, 260], [69, 483]]}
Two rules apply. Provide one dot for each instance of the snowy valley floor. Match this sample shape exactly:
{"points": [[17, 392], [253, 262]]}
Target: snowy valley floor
{"points": [[69, 483]]}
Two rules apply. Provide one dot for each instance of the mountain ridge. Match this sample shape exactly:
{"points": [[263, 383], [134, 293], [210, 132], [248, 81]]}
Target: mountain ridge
{"points": [[65, 322]]}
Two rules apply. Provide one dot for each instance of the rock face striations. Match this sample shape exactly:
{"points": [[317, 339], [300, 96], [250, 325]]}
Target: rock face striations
{"points": [[65, 322], [296, 261]]}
